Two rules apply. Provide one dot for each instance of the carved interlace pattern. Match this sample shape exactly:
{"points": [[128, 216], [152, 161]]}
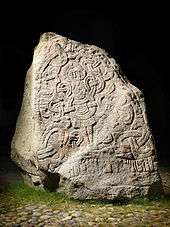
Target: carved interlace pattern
{"points": [[82, 99]]}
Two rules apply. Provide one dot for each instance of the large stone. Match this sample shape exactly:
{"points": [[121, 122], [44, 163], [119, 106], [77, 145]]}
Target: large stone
{"points": [[82, 128]]}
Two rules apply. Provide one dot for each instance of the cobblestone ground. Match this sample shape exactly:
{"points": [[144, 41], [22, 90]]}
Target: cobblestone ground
{"points": [[34, 214], [108, 215]]}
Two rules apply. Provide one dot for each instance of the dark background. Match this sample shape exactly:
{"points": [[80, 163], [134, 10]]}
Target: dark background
{"points": [[137, 40]]}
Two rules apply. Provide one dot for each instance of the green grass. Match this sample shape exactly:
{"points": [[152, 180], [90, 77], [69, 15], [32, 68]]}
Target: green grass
{"points": [[18, 194]]}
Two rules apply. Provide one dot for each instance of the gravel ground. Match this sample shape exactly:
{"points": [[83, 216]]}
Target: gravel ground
{"points": [[30, 215]]}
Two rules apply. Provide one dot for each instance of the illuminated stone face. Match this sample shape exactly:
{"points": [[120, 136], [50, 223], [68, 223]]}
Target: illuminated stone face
{"points": [[85, 122]]}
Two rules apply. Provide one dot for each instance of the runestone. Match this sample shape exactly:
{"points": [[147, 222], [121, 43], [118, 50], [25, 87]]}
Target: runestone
{"points": [[82, 127]]}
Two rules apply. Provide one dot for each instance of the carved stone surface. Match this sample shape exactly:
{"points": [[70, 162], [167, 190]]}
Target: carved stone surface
{"points": [[83, 125]]}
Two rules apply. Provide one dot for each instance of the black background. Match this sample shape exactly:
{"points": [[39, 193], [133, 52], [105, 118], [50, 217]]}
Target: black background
{"points": [[136, 38]]}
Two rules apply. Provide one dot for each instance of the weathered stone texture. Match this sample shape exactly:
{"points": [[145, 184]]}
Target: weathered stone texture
{"points": [[82, 121]]}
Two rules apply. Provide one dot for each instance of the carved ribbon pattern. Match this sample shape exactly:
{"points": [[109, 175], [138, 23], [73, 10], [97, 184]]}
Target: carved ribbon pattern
{"points": [[83, 99]]}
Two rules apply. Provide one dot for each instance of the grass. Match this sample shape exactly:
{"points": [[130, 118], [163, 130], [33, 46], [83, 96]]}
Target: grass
{"points": [[18, 194]]}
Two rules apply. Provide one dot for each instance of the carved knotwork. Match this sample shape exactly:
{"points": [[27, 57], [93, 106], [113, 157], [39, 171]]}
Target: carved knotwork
{"points": [[82, 99]]}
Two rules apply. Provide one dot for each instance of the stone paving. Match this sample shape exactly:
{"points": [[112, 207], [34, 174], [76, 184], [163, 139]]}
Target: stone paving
{"points": [[41, 215]]}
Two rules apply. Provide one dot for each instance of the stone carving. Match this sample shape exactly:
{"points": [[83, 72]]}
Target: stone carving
{"points": [[84, 122]]}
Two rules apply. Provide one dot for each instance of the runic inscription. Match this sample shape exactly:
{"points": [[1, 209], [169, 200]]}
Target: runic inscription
{"points": [[87, 123]]}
